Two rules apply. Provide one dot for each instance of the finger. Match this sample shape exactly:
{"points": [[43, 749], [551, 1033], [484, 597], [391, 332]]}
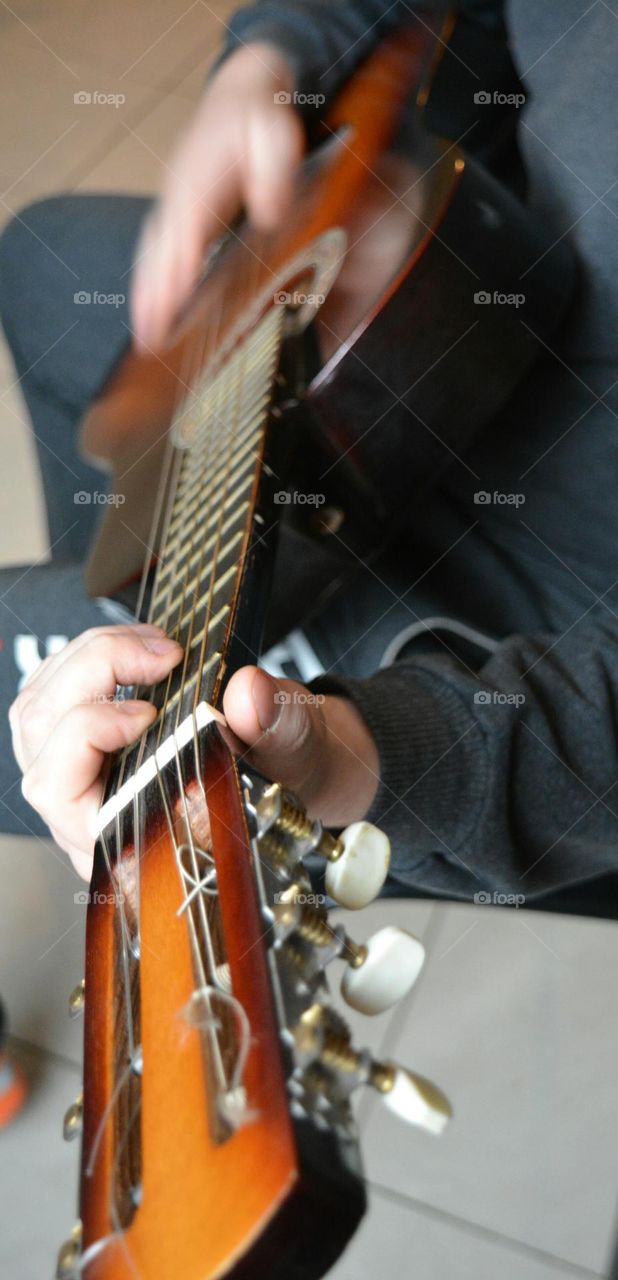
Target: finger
{"points": [[171, 257], [274, 148], [64, 783], [283, 727], [90, 671]]}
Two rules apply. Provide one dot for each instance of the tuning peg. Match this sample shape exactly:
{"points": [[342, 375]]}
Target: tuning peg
{"points": [[72, 1125], [77, 999], [323, 1037], [358, 865], [411, 1097], [67, 1266], [383, 971], [358, 860]]}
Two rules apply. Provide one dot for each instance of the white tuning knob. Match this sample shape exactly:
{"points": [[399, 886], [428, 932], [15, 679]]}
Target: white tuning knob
{"points": [[386, 970], [416, 1100], [355, 878]]}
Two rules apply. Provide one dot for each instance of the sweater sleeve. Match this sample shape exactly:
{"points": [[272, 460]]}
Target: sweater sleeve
{"points": [[503, 780], [324, 41]]}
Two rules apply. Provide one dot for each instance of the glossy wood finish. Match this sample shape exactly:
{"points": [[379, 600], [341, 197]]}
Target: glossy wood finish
{"points": [[204, 1203]]}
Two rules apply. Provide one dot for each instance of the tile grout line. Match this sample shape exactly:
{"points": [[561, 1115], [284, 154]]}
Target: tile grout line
{"points": [[510, 1243]]}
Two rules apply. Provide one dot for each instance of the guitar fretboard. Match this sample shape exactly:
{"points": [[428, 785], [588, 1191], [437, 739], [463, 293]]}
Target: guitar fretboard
{"points": [[221, 429]]}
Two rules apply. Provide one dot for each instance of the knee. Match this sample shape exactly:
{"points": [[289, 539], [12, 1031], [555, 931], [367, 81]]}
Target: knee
{"points": [[26, 246]]}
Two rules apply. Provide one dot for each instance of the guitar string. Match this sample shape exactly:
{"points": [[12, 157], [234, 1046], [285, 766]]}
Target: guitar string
{"points": [[181, 532], [205, 986], [166, 483], [189, 364], [119, 898]]}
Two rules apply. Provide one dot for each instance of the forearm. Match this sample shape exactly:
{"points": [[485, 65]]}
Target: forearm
{"points": [[510, 792]]}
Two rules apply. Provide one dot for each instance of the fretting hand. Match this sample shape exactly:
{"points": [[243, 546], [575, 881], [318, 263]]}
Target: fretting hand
{"points": [[65, 721]]}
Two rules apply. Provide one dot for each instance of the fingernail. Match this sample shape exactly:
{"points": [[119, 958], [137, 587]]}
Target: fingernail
{"points": [[161, 644], [266, 700]]}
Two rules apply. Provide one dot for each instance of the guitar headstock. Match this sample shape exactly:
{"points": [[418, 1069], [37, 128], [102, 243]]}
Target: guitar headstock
{"points": [[217, 1115]]}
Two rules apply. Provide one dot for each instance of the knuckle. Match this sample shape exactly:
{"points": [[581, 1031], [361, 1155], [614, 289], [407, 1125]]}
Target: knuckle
{"points": [[31, 789]]}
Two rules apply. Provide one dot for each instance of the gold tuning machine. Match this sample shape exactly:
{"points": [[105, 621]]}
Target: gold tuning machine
{"points": [[357, 861], [380, 971], [77, 999], [67, 1266], [72, 1125], [323, 1036]]}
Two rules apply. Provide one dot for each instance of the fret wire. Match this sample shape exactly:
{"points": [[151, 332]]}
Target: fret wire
{"points": [[249, 431], [231, 520], [268, 340], [206, 668], [201, 499], [248, 440], [244, 359], [211, 404]]}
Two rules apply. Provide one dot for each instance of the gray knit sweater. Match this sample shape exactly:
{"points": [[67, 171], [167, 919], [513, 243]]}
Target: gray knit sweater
{"points": [[499, 769]]}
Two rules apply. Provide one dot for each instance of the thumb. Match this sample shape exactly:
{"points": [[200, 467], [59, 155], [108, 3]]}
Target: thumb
{"points": [[283, 726]]}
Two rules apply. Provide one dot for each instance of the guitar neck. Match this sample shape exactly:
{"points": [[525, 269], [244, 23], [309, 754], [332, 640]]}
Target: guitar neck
{"points": [[219, 438]]}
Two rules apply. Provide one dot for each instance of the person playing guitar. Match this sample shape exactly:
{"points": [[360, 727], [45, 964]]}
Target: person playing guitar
{"points": [[444, 747]]}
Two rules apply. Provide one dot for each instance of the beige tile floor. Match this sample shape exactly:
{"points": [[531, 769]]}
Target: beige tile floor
{"points": [[516, 1014]]}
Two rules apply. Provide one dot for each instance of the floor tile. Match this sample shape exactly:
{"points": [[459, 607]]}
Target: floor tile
{"points": [[38, 1172], [154, 40], [22, 521], [41, 943], [517, 1020], [399, 1239], [136, 163]]}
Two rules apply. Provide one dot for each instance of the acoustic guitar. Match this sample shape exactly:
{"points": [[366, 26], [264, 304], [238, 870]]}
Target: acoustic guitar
{"points": [[216, 1122]]}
